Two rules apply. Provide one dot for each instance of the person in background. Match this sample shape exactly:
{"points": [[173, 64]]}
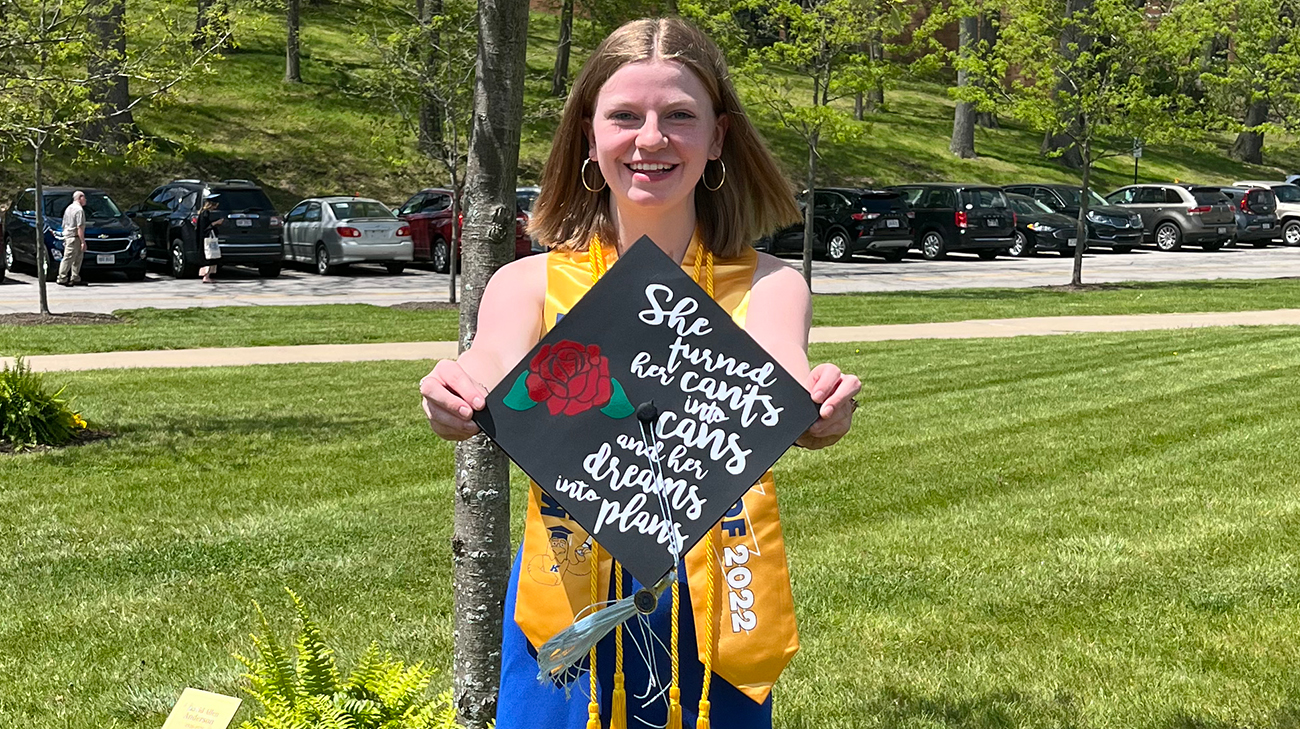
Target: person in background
{"points": [[74, 241], [208, 224]]}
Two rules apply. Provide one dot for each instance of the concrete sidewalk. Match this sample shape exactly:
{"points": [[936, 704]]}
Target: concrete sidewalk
{"points": [[972, 329]]}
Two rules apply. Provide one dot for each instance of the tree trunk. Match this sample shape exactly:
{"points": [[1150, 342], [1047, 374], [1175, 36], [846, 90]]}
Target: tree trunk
{"points": [[560, 77], [432, 110], [108, 87], [988, 40], [963, 121], [810, 200], [212, 25], [481, 530], [859, 105], [292, 72], [1249, 146], [1070, 40], [42, 273], [1081, 226], [876, 52]]}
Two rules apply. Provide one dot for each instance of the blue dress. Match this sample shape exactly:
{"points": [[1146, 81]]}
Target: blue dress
{"points": [[526, 703]]}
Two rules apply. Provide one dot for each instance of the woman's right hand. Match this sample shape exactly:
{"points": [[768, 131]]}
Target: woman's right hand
{"points": [[450, 398]]}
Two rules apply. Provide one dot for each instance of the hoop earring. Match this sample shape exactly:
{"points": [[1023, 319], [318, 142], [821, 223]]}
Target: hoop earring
{"points": [[723, 181], [583, 175]]}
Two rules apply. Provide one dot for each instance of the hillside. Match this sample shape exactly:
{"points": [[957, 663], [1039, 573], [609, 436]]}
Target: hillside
{"points": [[319, 137]]}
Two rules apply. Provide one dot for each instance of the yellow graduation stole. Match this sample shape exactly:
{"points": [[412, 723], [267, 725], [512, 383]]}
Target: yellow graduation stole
{"points": [[739, 570]]}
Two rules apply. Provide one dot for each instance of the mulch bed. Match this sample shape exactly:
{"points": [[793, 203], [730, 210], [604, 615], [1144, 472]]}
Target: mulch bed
{"points": [[425, 306], [71, 317], [82, 438]]}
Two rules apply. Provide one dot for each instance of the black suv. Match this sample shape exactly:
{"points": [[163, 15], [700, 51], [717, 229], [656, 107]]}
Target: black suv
{"points": [[1109, 226], [252, 234], [848, 221], [960, 217]]}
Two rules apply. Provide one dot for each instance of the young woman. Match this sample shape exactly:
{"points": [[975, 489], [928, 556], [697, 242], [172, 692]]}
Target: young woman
{"points": [[207, 224], [653, 141]]}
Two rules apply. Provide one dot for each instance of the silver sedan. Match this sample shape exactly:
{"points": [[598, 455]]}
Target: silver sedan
{"points": [[334, 231]]}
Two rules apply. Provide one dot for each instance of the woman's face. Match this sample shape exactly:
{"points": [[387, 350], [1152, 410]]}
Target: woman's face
{"points": [[652, 132]]}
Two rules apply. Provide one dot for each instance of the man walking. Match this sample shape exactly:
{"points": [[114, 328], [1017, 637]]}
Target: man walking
{"points": [[74, 241]]}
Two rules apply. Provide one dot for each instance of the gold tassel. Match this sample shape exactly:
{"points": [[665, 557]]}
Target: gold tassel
{"points": [[711, 563], [593, 706], [618, 706], [674, 708], [618, 710], [675, 692]]}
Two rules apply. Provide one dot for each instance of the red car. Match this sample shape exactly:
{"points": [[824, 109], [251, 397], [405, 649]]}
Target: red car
{"points": [[429, 214]]}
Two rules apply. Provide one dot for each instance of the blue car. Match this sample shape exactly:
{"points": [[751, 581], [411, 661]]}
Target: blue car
{"points": [[113, 241]]}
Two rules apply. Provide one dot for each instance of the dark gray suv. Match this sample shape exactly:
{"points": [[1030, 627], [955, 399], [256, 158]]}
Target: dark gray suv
{"points": [[1176, 214]]}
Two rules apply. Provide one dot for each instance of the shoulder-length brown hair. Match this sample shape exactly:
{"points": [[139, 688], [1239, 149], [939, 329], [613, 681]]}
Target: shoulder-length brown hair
{"points": [[755, 199]]}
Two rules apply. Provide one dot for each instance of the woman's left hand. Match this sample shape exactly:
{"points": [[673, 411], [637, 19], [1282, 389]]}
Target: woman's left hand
{"points": [[833, 391]]}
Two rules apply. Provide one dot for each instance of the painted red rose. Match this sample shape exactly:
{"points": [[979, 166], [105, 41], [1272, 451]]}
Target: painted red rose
{"points": [[570, 378]]}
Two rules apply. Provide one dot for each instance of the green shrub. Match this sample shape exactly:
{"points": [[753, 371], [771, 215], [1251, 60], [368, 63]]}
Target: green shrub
{"points": [[31, 415], [309, 693]]}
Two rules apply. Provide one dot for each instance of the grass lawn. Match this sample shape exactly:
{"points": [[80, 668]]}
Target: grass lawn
{"points": [[360, 323], [1078, 531], [234, 326]]}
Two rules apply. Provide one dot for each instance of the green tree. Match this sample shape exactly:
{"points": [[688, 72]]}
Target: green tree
{"points": [[53, 73], [799, 60], [424, 77], [1254, 81], [1115, 77]]}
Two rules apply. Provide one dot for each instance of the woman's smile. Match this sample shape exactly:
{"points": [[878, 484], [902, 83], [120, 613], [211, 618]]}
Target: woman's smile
{"points": [[651, 171]]}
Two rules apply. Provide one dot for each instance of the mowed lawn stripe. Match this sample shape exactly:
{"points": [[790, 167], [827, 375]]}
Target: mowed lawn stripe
{"points": [[1083, 531], [1132, 565]]}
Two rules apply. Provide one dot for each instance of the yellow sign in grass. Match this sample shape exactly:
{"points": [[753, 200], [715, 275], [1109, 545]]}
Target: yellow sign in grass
{"points": [[202, 710]]}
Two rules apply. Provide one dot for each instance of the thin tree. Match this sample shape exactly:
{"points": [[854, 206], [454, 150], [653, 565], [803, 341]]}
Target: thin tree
{"points": [[427, 64], [432, 108], [560, 76], [821, 44], [989, 19], [481, 526], [1119, 79], [292, 69]]}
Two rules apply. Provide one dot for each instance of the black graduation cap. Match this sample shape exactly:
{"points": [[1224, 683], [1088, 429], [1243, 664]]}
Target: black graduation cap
{"points": [[647, 381]]}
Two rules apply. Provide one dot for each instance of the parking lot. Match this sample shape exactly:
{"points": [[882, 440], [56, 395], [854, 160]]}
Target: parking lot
{"points": [[372, 285]]}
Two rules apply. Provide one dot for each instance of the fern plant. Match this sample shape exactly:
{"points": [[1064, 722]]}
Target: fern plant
{"points": [[30, 414], [306, 691]]}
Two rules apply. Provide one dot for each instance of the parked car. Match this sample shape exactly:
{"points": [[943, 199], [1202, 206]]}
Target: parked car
{"points": [[524, 199], [252, 234], [1288, 206], [113, 242], [1176, 214], [1040, 228], [960, 217], [1109, 226], [429, 213], [332, 232], [1255, 210], [848, 221]]}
